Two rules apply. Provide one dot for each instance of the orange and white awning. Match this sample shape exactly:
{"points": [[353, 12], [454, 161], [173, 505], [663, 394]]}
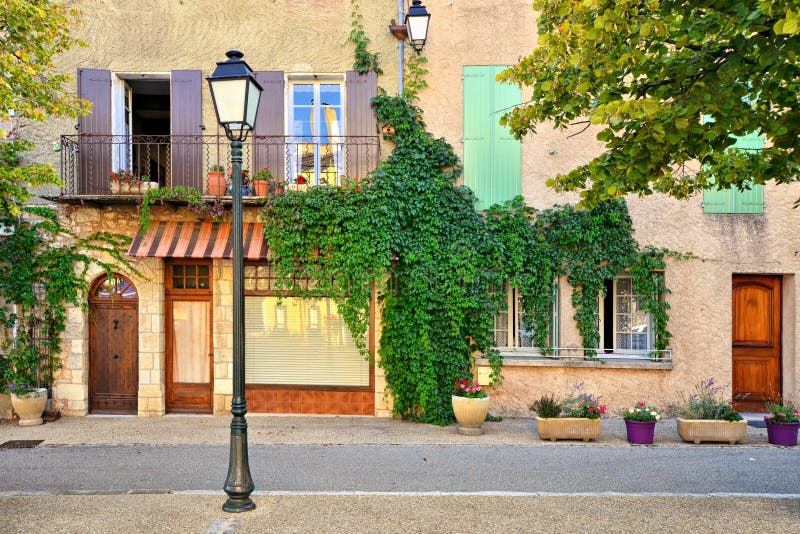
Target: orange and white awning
{"points": [[197, 240]]}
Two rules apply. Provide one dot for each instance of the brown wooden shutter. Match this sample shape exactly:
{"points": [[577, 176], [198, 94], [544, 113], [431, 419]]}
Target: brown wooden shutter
{"points": [[187, 129], [360, 121], [269, 147], [95, 151]]}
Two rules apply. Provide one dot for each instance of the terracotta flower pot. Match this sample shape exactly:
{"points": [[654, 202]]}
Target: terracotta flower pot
{"points": [[470, 414], [217, 183], [30, 406], [260, 187]]}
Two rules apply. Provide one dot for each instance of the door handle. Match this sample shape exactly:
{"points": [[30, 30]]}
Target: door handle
{"points": [[116, 356], [115, 321]]}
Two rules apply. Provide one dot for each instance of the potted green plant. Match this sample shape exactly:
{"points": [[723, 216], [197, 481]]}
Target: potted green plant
{"points": [[577, 416], [640, 423], [30, 372], [470, 407], [706, 415], [217, 184], [261, 180], [782, 423]]}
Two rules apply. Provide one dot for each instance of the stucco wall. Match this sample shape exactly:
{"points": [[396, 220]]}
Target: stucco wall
{"points": [[464, 33], [309, 36]]}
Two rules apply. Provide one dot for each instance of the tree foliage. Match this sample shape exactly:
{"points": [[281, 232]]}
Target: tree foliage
{"points": [[669, 83], [33, 33], [41, 253]]}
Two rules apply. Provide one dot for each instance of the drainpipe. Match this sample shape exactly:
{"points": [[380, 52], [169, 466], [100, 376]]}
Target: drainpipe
{"points": [[400, 51]]}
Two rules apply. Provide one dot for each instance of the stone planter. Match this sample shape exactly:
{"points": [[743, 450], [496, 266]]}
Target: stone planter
{"points": [[30, 406], [5, 406], [699, 430], [470, 414], [554, 428]]}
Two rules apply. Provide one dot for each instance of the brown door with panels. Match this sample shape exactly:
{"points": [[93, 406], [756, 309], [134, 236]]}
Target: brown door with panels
{"points": [[756, 341], [113, 346], [189, 354]]}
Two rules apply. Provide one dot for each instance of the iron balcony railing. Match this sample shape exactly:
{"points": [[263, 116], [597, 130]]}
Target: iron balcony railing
{"points": [[88, 160]]}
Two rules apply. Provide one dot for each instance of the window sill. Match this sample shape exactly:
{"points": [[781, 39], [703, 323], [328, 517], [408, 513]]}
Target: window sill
{"points": [[515, 360]]}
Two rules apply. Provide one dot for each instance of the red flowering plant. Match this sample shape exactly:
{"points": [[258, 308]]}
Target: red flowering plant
{"points": [[301, 179], [122, 176], [465, 388], [787, 412], [582, 404]]}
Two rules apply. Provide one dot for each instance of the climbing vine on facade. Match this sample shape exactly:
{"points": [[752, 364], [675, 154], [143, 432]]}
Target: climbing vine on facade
{"points": [[43, 272], [413, 235], [364, 60], [588, 247]]}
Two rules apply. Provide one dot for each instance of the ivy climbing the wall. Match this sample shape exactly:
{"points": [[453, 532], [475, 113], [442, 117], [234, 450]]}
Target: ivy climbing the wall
{"points": [[588, 247], [43, 272], [409, 232]]}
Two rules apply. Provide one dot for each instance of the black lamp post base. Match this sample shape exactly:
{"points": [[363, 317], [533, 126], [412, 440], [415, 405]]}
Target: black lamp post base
{"points": [[239, 504]]}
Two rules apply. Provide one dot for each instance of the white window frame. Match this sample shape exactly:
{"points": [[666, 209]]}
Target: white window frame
{"points": [[335, 140], [616, 351], [514, 329]]}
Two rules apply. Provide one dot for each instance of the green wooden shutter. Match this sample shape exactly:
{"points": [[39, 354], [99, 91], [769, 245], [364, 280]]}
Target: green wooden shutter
{"points": [[477, 133], [752, 200], [506, 151], [492, 157], [733, 200]]}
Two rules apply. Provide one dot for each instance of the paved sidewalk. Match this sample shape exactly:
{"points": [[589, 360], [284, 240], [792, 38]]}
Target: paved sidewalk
{"points": [[322, 430]]}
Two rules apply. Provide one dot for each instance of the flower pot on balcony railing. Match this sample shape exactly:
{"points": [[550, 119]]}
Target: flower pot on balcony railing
{"points": [[126, 183], [217, 184]]}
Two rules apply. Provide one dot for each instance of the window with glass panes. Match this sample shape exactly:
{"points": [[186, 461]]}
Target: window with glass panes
{"points": [[624, 326], [316, 148], [510, 329]]}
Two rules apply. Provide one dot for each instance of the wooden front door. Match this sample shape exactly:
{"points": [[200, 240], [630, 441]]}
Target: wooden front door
{"points": [[189, 366], [756, 341], [113, 347]]}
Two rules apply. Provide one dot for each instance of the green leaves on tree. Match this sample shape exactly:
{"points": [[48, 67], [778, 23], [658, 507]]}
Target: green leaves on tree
{"points": [[650, 75]]}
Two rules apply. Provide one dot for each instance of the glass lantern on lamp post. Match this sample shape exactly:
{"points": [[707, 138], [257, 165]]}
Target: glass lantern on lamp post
{"points": [[236, 94]]}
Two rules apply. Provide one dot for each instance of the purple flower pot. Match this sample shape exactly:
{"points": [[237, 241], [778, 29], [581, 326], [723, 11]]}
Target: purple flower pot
{"points": [[782, 433], [640, 432]]}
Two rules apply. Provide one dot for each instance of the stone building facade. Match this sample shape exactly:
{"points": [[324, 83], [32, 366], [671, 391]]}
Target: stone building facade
{"points": [[304, 44]]}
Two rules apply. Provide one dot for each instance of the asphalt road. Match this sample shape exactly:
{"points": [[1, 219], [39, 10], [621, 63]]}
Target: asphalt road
{"points": [[568, 469]]}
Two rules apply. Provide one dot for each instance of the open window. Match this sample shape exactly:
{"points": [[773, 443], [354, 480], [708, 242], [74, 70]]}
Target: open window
{"points": [[626, 329], [141, 125]]}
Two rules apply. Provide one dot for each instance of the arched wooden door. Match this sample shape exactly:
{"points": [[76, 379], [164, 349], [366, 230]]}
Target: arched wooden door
{"points": [[756, 341], [113, 346]]}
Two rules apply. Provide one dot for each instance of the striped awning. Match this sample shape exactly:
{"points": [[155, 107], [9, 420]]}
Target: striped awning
{"points": [[197, 240]]}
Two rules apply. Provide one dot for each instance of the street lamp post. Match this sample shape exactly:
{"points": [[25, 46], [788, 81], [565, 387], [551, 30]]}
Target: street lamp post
{"points": [[236, 93]]}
